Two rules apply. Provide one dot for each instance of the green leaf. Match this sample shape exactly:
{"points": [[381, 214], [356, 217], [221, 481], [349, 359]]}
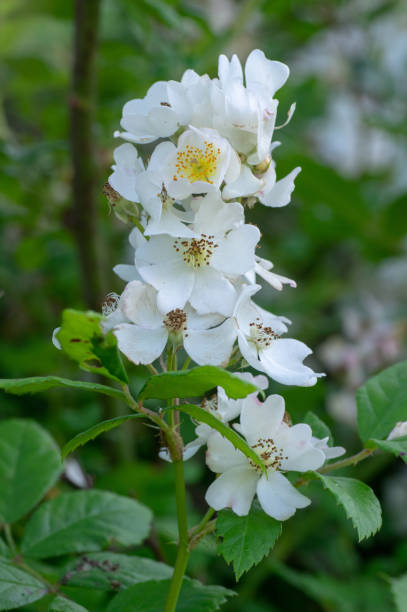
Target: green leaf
{"points": [[20, 386], [359, 502], [382, 402], [85, 521], [198, 413], [319, 428], [83, 340], [245, 540], [18, 588], [195, 382], [151, 596], [29, 465], [397, 446], [107, 571], [399, 591], [62, 604], [91, 433], [4, 549]]}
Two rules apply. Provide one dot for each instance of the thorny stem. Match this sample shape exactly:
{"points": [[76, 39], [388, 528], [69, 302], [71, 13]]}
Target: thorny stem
{"points": [[353, 460]]}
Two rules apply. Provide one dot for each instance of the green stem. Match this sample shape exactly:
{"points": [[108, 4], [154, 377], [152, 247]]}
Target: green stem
{"points": [[198, 528], [363, 454], [183, 538]]}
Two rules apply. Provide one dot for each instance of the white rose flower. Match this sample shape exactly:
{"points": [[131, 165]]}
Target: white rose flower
{"points": [[206, 339], [127, 168], [282, 449]]}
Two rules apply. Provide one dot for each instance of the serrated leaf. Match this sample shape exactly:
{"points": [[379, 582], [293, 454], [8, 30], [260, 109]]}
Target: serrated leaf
{"points": [[195, 382], [17, 588], [359, 502], [107, 571], [151, 597], [21, 386], [245, 540], [85, 521], [82, 338], [92, 433], [29, 466], [198, 413], [62, 604], [397, 446], [319, 428], [382, 402], [399, 591]]}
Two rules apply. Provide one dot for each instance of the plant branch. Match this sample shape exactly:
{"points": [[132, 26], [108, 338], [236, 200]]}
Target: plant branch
{"points": [[82, 216], [353, 460]]}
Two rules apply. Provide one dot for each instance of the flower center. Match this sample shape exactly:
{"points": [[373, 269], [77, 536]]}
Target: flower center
{"points": [[268, 452], [175, 320], [196, 163], [260, 335], [211, 405], [196, 252]]}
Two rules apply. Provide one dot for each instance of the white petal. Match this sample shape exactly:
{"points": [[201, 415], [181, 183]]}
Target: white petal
{"points": [[296, 443], [126, 272], [214, 216], [234, 489], [261, 420], [212, 292], [55, 340], [278, 498], [280, 194], [275, 280], [174, 282], [211, 346], [222, 455], [139, 344], [139, 304], [249, 352], [160, 156], [169, 223], [235, 254], [282, 360], [246, 184], [259, 69]]}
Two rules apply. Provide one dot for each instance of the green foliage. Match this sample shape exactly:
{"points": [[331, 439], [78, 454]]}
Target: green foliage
{"points": [[195, 382], [29, 466], [83, 340], [200, 414], [107, 571], [92, 433], [359, 502], [17, 588], [84, 521], [382, 401], [397, 446], [4, 549], [151, 596], [399, 590], [245, 540], [62, 604], [21, 386], [319, 428]]}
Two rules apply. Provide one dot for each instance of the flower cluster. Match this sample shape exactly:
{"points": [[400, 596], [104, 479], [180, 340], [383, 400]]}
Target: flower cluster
{"points": [[195, 265]]}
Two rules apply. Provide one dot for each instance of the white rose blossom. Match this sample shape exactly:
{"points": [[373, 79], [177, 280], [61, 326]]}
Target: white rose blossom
{"points": [[281, 448], [206, 338]]}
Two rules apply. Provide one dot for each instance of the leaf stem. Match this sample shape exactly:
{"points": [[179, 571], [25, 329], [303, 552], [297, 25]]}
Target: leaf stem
{"points": [[9, 538], [353, 460]]}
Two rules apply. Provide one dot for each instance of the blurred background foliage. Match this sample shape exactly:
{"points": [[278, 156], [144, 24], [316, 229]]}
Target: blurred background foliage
{"points": [[343, 239]]}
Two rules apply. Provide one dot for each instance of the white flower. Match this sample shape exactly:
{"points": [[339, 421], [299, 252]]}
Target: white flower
{"points": [[398, 431], [330, 452], [207, 339], [201, 162], [263, 268], [246, 115], [149, 118], [198, 269], [221, 407], [275, 193], [125, 171], [282, 448], [260, 344]]}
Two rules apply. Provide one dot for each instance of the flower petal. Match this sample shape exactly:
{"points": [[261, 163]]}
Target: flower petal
{"points": [[234, 489], [222, 455], [235, 254], [278, 498], [139, 304], [296, 444], [211, 346], [261, 420], [212, 292], [282, 360], [280, 194], [140, 344], [245, 185]]}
